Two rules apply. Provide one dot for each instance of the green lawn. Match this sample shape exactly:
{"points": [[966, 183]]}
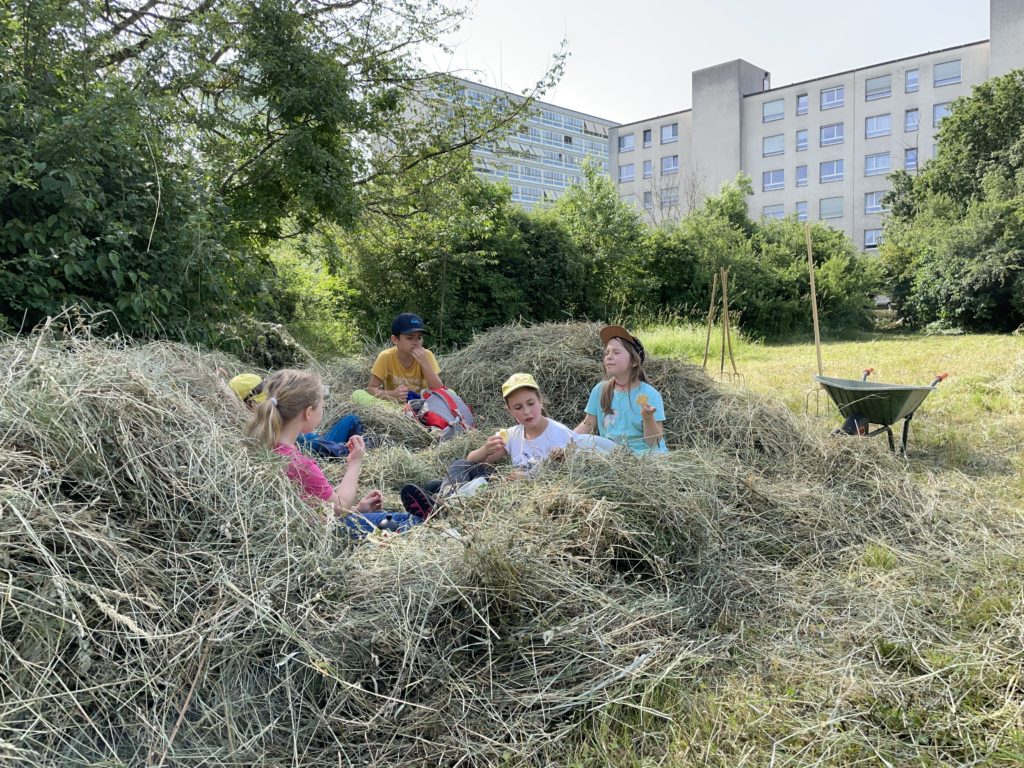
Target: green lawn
{"points": [[973, 423]]}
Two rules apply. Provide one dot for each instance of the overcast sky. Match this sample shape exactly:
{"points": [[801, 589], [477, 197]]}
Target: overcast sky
{"points": [[632, 60]]}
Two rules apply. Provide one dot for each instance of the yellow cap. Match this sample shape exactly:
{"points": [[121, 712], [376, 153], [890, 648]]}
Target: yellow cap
{"points": [[518, 381], [244, 385]]}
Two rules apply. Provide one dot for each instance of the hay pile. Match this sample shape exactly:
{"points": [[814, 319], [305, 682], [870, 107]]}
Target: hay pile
{"points": [[167, 598]]}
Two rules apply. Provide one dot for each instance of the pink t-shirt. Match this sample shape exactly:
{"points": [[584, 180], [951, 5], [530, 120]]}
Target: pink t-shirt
{"points": [[306, 473]]}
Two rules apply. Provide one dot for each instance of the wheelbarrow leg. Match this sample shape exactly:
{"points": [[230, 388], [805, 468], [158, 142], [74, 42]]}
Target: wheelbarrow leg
{"points": [[892, 441], [906, 432]]}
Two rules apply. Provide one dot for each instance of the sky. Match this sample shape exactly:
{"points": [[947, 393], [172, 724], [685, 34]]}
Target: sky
{"points": [[632, 60]]}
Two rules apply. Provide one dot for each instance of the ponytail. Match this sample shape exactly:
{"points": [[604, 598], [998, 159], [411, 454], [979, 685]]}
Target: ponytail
{"points": [[289, 392]]}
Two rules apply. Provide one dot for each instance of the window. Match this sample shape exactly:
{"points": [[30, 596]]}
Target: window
{"points": [[773, 180], [669, 165], [773, 145], [911, 119], [947, 73], [801, 175], [833, 97], [773, 110], [872, 238], [877, 125], [626, 172], [939, 111], [831, 170], [801, 140], [648, 200], [911, 79], [648, 168], [831, 134], [877, 87], [830, 208], [774, 211], [669, 133], [873, 202], [801, 104], [910, 159], [626, 143], [669, 197], [629, 199], [801, 211], [876, 165], [647, 137]]}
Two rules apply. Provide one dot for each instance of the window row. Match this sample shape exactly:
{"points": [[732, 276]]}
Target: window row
{"points": [[669, 165], [880, 87], [666, 198], [834, 133], [669, 134], [834, 170]]}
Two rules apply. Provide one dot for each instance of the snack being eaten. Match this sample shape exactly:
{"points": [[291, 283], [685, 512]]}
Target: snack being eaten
{"points": [[641, 399], [503, 434]]}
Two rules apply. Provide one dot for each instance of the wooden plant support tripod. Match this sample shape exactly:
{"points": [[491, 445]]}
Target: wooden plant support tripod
{"points": [[723, 274]]}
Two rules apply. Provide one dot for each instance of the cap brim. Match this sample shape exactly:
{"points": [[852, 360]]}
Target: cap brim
{"points": [[610, 332]]}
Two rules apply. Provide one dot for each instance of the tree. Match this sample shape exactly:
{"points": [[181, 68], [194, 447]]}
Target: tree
{"points": [[954, 244], [152, 149]]}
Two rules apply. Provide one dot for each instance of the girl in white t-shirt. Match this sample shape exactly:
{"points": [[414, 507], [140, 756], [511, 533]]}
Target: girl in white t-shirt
{"points": [[533, 438]]}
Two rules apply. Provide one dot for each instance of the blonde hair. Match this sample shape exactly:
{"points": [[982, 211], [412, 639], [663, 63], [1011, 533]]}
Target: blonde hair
{"points": [[636, 374], [289, 392]]}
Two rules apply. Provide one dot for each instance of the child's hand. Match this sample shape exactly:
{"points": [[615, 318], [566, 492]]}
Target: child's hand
{"points": [[419, 354], [371, 502], [647, 411], [400, 393], [495, 446], [356, 448]]}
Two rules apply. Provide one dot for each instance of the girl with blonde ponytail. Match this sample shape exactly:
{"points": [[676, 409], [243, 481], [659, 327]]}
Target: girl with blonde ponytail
{"points": [[294, 405]]}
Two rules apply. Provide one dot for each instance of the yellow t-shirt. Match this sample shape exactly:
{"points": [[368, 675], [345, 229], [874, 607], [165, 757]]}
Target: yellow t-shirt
{"points": [[388, 369]]}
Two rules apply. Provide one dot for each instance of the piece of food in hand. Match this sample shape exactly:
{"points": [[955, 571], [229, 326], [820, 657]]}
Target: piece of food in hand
{"points": [[503, 434], [641, 399]]}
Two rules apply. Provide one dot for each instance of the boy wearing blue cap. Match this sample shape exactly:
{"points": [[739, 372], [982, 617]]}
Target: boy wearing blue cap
{"points": [[407, 366]]}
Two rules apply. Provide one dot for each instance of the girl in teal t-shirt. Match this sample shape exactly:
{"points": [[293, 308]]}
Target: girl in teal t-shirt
{"points": [[625, 408]]}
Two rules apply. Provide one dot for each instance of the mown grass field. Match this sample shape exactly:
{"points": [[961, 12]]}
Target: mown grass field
{"points": [[898, 655]]}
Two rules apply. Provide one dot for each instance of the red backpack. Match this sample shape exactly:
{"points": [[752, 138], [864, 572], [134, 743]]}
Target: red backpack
{"points": [[444, 409]]}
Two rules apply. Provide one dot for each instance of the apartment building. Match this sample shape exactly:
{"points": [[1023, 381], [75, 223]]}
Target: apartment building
{"points": [[820, 149], [544, 155]]}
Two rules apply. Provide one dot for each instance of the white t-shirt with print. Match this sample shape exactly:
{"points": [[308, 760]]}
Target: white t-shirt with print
{"points": [[527, 454]]}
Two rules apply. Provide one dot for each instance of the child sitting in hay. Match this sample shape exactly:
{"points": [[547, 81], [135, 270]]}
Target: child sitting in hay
{"points": [[625, 408], [533, 438], [404, 370], [294, 405], [330, 444]]}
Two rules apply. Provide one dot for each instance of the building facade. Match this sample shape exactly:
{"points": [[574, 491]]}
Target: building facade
{"points": [[820, 149], [545, 154]]}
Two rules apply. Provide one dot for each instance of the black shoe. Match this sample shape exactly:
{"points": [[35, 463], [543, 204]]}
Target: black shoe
{"points": [[416, 501]]}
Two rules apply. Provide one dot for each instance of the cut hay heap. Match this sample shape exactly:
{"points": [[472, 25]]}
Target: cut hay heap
{"points": [[168, 600]]}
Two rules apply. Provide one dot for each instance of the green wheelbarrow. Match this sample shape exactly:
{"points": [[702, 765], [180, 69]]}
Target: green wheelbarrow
{"points": [[864, 403]]}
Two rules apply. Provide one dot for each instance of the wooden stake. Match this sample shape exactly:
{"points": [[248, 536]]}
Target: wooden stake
{"points": [[711, 316], [814, 298], [725, 319]]}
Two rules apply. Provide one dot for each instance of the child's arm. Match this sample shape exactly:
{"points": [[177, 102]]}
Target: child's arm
{"points": [[653, 430], [344, 497], [427, 365], [376, 388], [587, 426], [489, 452]]}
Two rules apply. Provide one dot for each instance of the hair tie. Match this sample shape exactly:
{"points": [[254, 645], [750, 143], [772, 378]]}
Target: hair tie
{"points": [[272, 401]]}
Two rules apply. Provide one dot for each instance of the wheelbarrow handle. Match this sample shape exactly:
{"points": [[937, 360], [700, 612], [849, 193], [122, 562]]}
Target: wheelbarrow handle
{"points": [[867, 372], [941, 377]]}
